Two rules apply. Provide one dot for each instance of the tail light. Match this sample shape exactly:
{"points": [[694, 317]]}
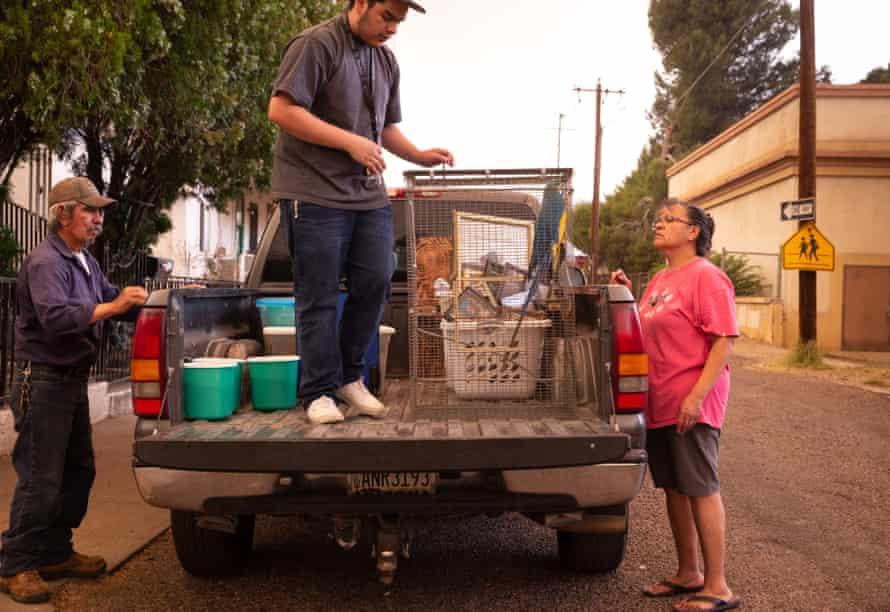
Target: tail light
{"points": [[402, 193], [630, 371], [148, 374]]}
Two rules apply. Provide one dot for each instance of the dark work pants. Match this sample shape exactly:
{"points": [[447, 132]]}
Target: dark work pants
{"points": [[325, 242], [53, 458]]}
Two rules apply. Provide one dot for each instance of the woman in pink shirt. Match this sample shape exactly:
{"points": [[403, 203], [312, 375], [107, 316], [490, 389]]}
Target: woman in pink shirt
{"points": [[688, 318]]}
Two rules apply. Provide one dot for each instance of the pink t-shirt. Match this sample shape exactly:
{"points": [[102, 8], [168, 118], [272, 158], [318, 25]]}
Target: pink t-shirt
{"points": [[680, 311]]}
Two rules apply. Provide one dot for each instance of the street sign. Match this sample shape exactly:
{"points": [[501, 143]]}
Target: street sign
{"points": [[799, 210], [808, 249]]}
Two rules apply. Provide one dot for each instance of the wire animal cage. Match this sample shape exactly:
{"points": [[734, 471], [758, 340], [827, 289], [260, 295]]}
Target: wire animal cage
{"points": [[489, 321]]}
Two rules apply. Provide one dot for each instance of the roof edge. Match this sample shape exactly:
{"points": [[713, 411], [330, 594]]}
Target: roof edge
{"points": [[777, 102]]}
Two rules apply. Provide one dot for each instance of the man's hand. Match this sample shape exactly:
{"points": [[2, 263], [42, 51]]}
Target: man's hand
{"points": [[367, 154], [690, 410], [434, 157], [620, 278], [128, 298]]}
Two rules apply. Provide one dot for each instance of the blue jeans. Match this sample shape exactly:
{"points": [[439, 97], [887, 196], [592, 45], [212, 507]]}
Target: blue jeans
{"points": [[325, 243], [53, 458]]}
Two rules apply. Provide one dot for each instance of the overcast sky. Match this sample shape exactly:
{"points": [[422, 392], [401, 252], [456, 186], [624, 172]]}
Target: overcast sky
{"points": [[489, 78]]}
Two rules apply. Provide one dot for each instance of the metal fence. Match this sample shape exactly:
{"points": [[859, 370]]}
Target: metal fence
{"points": [[113, 360], [767, 265], [28, 227]]}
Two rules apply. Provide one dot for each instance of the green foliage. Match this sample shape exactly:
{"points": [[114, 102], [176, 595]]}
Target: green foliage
{"points": [[689, 35], [192, 115], [747, 280], [806, 355], [9, 249], [60, 59], [878, 75]]}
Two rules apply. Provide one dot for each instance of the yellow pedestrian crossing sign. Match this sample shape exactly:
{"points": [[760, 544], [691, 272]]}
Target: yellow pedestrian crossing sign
{"points": [[808, 249]]}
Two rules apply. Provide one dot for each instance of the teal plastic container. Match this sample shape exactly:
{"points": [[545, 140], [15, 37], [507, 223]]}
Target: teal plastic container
{"points": [[238, 363], [212, 389], [273, 381], [277, 312]]}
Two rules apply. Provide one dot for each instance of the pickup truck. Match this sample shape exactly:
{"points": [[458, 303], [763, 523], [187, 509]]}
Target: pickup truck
{"points": [[379, 479]]}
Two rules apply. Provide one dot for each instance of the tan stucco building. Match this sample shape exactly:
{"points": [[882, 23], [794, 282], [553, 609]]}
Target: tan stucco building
{"points": [[743, 175]]}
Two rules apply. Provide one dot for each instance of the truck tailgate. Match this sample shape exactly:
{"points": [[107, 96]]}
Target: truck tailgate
{"points": [[285, 442]]}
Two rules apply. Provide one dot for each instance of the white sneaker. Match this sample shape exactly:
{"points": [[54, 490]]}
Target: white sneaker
{"points": [[357, 396], [323, 411]]}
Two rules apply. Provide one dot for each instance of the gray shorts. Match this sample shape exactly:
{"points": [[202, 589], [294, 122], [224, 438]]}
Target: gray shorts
{"points": [[685, 462]]}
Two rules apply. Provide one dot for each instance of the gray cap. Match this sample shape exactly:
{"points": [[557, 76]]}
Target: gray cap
{"points": [[78, 189], [414, 5]]}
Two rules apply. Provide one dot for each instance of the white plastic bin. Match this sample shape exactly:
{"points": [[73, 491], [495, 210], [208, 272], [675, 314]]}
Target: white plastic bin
{"points": [[498, 375], [280, 340]]}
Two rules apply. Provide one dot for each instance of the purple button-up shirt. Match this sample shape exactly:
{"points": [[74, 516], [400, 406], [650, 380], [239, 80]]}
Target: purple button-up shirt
{"points": [[56, 299]]}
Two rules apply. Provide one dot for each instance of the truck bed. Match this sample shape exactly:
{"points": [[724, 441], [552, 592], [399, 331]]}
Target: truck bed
{"points": [[479, 438]]}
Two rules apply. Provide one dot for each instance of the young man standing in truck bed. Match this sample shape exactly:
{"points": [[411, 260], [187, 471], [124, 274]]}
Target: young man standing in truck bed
{"points": [[336, 102]]}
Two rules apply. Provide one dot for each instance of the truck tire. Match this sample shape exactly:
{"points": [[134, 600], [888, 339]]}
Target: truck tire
{"points": [[210, 553], [591, 552]]}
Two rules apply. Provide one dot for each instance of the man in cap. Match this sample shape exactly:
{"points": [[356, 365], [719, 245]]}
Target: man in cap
{"points": [[62, 299], [336, 103]]}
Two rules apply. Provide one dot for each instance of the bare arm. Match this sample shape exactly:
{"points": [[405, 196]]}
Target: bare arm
{"points": [[717, 359], [128, 298], [300, 123], [398, 144]]}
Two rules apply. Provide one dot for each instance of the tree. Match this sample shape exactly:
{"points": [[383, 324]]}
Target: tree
{"points": [[60, 59], [190, 118], [746, 278], [878, 75], [695, 102]]}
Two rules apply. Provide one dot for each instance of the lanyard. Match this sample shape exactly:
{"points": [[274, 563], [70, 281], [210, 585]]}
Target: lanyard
{"points": [[368, 87]]}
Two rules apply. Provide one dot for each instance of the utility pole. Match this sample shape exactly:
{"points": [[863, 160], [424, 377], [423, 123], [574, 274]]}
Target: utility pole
{"points": [[559, 140], [595, 202], [806, 182]]}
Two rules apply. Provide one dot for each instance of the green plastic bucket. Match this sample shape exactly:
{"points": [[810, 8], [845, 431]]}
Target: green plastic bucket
{"points": [[273, 381], [239, 363], [211, 389]]}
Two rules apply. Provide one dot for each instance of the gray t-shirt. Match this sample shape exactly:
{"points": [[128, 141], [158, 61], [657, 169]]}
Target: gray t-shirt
{"points": [[321, 70]]}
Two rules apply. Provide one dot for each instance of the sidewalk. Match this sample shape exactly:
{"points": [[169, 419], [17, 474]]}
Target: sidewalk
{"points": [[865, 370], [118, 523]]}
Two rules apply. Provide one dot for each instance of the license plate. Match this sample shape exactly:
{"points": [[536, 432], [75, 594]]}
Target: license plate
{"points": [[393, 482]]}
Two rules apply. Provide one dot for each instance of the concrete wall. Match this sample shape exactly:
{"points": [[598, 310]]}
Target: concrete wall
{"points": [[760, 319], [742, 176]]}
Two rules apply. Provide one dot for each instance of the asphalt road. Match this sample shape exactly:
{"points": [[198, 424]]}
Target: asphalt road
{"points": [[807, 491]]}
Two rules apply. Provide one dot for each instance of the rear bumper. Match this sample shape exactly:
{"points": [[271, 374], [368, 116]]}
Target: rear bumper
{"points": [[539, 490], [395, 454], [604, 484]]}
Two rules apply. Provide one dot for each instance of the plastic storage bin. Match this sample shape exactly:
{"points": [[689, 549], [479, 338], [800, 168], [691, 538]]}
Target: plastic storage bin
{"points": [[238, 363], [212, 389], [498, 375], [273, 381], [276, 312], [280, 340]]}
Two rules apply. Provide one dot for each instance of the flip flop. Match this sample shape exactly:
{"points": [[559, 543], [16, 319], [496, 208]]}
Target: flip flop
{"points": [[673, 589], [719, 605]]}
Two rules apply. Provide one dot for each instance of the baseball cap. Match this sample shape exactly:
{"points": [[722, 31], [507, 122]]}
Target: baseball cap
{"points": [[414, 5], [78, 189]]}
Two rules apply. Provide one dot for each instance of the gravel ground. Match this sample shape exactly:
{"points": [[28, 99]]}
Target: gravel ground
{"points": [[805, 482]]}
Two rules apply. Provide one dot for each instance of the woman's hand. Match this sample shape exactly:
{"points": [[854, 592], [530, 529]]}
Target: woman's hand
{"points": [[620, 278], [690, 410]]}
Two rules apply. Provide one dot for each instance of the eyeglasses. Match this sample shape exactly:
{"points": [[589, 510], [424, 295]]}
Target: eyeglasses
{"points": [[666, 219]]}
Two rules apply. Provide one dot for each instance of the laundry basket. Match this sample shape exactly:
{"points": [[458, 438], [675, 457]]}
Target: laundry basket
{"points": [[507, 372]]}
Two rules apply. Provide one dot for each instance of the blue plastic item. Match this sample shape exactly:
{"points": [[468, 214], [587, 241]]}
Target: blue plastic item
{"points": [[278, 309], [276, 312]]}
